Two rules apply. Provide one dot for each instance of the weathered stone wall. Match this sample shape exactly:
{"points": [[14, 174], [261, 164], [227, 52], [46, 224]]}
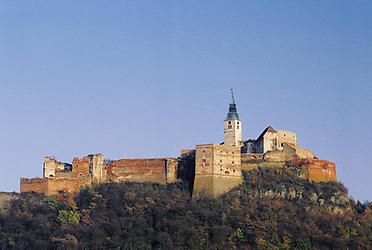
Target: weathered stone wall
{"points": [[80, 167], [67, 185], [317, 170], [51, 166], [171, 170], [287, 153], [217, 169], [98, 167], [52, 186], [142, 170], [91, 165], [251, 157], [37, 185], [285, 137], [303, 153], [268, 143]]}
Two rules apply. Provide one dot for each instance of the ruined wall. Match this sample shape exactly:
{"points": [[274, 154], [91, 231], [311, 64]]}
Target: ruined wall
{"points": [[91, 165], [217, 169], [251, 157], [317, 170], [287, 153], [285, 137], [37, 185], [171, 170], [51, 166], [98, 167], [142, 170], [303, 153], [80, 167]]}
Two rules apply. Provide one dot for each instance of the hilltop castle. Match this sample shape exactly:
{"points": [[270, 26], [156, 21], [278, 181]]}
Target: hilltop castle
{"points": [[211, 169]]}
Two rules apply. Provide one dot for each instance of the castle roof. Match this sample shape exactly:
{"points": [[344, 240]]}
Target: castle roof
{"points": [[233, 112], [269, 129]]}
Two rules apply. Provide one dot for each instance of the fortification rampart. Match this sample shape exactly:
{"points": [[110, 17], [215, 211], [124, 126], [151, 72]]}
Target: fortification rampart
{"points": [[37, 185], [52, 186], [157, 170], [316, 170]]}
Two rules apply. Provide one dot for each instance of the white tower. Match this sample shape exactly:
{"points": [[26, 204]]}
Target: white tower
{"points": [[232, 126]]}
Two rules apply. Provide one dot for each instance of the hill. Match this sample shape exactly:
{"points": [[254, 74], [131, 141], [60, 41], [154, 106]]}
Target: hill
{"points": [[272, 209]]}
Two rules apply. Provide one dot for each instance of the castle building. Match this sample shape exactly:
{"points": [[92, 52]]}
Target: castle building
{"points": [[210, 169], [270, 140], [232, 126]]}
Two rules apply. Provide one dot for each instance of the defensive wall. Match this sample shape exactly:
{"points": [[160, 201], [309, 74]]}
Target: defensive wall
{"points": [[52, 186], [92, 169], [304, 160], [316, 170], [157, 170]]}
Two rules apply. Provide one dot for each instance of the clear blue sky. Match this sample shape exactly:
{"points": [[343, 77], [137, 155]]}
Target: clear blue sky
{"points": [[147, 78]]}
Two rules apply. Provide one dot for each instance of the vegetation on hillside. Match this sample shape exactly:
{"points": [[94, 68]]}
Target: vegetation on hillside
{"points": [[273, 209]]}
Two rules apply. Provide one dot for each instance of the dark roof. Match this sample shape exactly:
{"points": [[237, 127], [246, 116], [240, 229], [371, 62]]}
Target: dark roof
{"points": [[233, 113], [268, 129], [250, 140]]}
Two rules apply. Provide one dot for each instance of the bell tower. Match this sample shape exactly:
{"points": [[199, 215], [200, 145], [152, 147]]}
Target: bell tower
{"points": [[232, 126]]}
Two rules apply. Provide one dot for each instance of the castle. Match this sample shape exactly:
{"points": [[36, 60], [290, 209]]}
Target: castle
{"points": [[211, 169]]}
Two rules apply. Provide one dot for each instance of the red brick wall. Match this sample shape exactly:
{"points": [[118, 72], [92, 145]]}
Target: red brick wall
{"points": [[317, 170], [137, 170], [80, 167]]}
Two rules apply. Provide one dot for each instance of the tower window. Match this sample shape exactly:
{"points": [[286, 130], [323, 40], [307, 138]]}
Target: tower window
{"points": [[238, 126], [229, 122], [232, 162], [229, 126], [238, 123]]}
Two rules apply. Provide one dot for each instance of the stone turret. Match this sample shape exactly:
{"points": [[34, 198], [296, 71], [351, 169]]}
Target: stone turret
{"points": [[232, 126]]}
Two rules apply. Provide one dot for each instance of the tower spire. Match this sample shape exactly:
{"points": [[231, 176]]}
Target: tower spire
{"points": [[232, 95], [232, 125]]}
